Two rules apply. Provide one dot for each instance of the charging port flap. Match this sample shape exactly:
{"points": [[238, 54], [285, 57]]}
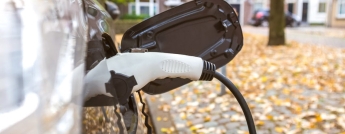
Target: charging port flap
{"points": [[205, 28]]}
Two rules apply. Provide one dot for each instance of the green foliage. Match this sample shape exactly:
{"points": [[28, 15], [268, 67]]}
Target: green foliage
{"points": [[121, 1], [123, 25], [134, 17]]}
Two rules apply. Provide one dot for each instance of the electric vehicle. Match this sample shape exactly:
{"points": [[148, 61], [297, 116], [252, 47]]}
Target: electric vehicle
{"points": [[61, 57], [42, 66]]}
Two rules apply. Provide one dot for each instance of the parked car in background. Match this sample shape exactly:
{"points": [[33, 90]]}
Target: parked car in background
{"points": [[112, 9], [260, 18]]}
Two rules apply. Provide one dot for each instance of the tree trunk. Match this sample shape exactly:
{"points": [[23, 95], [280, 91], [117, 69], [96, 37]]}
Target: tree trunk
{"points": [[277, 23]]}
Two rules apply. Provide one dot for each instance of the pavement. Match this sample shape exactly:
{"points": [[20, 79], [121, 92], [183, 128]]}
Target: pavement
{"points": [[293, 89], [195, 108], [332, 37]]}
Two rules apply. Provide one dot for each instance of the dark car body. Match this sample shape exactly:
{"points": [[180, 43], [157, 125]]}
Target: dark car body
{"points": [[193, 28], [260, 18], [100, 20]]}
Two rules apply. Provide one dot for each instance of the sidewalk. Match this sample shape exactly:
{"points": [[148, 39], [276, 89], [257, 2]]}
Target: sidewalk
{"points": [[291, 89], [333, 37]]}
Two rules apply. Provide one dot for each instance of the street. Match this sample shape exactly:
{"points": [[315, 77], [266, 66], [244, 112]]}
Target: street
{"points": [[308, 35]]}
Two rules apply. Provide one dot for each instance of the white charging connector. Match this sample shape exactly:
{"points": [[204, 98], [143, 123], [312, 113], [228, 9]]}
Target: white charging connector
{"points": [[145, 67]]}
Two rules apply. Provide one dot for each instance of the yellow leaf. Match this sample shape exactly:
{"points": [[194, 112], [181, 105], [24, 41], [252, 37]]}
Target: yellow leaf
{"points": [[201, 110], [299, 125], [264, 79], [184, 117], [269, 117], [153, 99], [279, 129], [172, 129], [260, 123], [318, 118], [207, 119], [193, 128], [159, 118], [207, 109], [298, 109], [164, 130], [278, 102], [189, 123], [196, 91], [286, 91]]}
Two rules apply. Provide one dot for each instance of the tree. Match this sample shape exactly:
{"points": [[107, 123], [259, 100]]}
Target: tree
{"points": [[277, 23]]}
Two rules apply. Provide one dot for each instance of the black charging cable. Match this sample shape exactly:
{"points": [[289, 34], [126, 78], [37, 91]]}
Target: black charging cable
{"points": [[209, 72], [240, 99]]}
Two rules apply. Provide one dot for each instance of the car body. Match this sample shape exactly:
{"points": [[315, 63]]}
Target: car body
{"points": [[100, 21], [51, 45], [260, 18]]}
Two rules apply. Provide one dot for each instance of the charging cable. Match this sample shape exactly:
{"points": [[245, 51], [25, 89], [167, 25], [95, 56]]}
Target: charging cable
{"points": [[240, 99], [125, 73]]}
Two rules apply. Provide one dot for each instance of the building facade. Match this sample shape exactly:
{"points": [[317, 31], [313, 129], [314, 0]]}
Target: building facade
{"points": [[336, 13], [238, 5], [321, 12], [308, 11]]}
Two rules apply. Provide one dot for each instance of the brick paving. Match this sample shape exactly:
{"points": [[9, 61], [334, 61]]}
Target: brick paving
{"points": [[293, 89]]}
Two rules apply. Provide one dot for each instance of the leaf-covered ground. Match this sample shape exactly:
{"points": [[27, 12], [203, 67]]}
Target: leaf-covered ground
{"points": [[297, 88]]}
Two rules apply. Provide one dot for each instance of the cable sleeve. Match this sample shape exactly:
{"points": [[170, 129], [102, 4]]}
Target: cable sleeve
{"points": [[207, 71]]}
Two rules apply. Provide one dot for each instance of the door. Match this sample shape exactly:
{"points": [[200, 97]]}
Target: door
{"points": [[290, 7], [237, 8], [305, 12]]}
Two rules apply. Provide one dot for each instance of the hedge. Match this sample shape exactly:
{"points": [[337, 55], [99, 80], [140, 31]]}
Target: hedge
{"points": [[121, 26]]}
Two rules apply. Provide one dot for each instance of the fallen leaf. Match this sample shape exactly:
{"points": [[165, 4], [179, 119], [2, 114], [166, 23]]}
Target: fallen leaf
{"points": [[159, 118], [278, 129]]}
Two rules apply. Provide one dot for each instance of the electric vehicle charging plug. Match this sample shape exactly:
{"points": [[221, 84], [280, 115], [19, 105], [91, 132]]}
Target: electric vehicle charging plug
{"points": [[146, 67]]}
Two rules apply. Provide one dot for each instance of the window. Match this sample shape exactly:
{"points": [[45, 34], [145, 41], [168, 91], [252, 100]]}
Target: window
{"points": [[322, 7], [144, 8], [258, 6], [234, 1], [291, 7], [341, 9]]}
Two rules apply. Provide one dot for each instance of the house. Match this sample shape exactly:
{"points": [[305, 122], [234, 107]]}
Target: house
{"points": [[336, 13], [324, 12], [312, 11], [167, 4], [238, 5], [149, 7], [308, 11], [250, 6]]}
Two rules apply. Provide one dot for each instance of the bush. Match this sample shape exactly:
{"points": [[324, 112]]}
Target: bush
{"points": [[121, 26], [134, 17]]}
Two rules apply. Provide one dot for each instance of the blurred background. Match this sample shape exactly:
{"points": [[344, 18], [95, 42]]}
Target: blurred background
{"points": [[297, 86], [291, 72]]}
